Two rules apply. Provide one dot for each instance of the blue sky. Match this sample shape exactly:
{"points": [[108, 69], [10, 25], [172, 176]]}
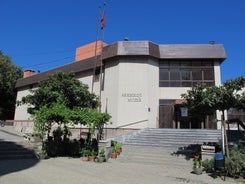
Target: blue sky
{"points": [[44, 34]]}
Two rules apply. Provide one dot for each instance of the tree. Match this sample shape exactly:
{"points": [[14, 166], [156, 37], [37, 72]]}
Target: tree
{"points": [[220, 98], [63, 87], [199, 106], [64, 100], [9, 73]]}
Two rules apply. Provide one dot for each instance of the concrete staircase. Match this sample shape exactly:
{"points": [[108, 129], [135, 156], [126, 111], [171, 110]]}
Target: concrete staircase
{"points": [[168, 147], [13, 150], [174, 139], [153, 156]]}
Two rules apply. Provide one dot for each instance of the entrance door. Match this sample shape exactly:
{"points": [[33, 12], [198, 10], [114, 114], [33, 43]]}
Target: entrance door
{"points": [[166, 116]]}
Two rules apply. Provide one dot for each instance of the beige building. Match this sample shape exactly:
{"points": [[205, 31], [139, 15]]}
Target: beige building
{"points": [[141, 81]]}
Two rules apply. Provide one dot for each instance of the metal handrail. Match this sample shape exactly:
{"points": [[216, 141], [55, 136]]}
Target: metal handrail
{"points": [[129, 124]]}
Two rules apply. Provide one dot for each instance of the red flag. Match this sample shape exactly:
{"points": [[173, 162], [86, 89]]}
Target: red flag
{"points": [[102, 21]]}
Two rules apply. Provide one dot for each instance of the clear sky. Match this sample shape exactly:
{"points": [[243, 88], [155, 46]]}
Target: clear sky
{"points": [[44, 34]]}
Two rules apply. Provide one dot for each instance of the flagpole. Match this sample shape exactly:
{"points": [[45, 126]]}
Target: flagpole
{"points": [[101, 56], [95, 50]]}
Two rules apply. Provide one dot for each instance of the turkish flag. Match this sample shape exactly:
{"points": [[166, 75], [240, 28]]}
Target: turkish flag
{"points": [[102, 21]]}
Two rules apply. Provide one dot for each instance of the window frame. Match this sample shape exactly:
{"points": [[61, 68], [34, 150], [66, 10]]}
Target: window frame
{"points": [[178, 66]]}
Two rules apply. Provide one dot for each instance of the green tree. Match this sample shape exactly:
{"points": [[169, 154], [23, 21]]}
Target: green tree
{"points": [[205, 99], [9, 73], [61, 87], [64, 100], [199, 106], [225, 97]]}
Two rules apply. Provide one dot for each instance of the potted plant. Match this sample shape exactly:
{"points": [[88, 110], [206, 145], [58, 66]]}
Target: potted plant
{"points": [[85, 154], [119, 148], [114, 153], [92, 155], [101, 155], [197, 164]]}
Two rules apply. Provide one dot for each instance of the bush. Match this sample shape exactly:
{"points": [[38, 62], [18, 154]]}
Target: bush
{"points": [[235, 165], [66, 147], [208, 165]]}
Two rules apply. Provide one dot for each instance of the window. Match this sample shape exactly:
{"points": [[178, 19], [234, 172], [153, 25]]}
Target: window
{"points": [[186, 73], [164, 74], [174, 74], [197, 74], [97, 75]]}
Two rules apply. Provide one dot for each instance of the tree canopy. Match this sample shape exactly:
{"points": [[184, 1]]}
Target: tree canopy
{"points": [[61, 87], [9, 73], [201, 100], [206, 99], [64, 100]]}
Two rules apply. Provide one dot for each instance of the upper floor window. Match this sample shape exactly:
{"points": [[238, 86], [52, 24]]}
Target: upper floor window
{"points": [[186, 73]]}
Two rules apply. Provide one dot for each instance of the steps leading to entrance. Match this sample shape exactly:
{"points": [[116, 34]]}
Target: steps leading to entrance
{"points": [[161, 146], [152, 156], [12, 150], [173, 139]]}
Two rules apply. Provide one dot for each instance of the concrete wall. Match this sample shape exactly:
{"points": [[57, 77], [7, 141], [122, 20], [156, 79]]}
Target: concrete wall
{"points": [[110, 92], [152, 92], [21, 111], [132, 97]]}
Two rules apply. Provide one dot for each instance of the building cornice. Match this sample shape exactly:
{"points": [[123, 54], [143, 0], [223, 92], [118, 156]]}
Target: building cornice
{"points": [[134, 48]]}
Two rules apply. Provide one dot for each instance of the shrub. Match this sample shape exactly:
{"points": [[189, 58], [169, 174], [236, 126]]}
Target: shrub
{"points": [[208, 165], [235, 165]]}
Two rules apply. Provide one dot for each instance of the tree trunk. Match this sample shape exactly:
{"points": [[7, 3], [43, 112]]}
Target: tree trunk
{"points": [[225, 135]]}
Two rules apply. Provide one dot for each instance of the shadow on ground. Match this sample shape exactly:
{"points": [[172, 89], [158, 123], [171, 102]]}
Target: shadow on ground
{"points": [[187, 151], [15, 157], [190, 150], [15, 165]]}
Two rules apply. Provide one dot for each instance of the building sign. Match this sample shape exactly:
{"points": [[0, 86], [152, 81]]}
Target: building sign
{"points": [[132, 97], [184, 111]]}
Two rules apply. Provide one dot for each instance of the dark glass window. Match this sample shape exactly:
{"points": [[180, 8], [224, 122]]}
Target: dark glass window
{"points": [[164, 84], [186, 84], [164, 74], [174, 74], [197, 74], [185, 73], [208, 74], [197, 63], [174, 63], [175, 84]]}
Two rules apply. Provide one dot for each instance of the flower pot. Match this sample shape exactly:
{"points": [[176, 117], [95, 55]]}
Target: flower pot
{"points": [[114, 155], [197, 171], [101, 159], [91, 158], [85, 158]]}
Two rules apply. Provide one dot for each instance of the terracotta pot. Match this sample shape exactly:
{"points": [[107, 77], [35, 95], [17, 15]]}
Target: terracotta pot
{"points": [[114, 155], [91, 158], [85, 158]]}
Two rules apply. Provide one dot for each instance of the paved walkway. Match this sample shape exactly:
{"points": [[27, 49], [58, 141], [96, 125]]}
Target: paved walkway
{"points": [[7, 133], [74, 171]]}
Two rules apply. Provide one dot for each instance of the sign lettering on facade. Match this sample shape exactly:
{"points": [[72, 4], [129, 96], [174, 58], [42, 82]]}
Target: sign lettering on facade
{"points": [[132, 97]]}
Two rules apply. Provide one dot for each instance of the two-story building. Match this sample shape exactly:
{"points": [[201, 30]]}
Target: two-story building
{"points": [[141, 82]]}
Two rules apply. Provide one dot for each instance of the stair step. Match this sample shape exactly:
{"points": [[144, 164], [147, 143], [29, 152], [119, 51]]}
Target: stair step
{"points": [[151, 155], [12, 150], [173, 139]]}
